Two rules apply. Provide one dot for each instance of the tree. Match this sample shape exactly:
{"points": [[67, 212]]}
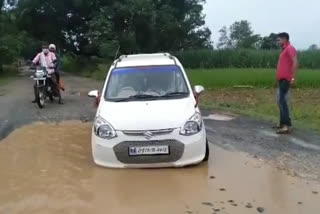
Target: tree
{"points": [[92, 27], [313, 47], [269, 42], [242, 35], [62, 22], [224, 40]]}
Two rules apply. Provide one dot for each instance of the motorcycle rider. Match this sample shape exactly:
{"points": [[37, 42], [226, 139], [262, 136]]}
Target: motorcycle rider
{"points": [[45, 59]]}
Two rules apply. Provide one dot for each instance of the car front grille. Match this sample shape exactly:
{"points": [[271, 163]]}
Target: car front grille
{"points": [[153, 132], [176, 149]]}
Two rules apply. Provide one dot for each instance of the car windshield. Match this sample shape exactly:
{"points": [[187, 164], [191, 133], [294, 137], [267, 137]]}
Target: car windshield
{"points": [[140, 83]]}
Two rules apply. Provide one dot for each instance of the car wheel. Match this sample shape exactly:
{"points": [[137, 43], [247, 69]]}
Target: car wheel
{"points": [[206, 157]]}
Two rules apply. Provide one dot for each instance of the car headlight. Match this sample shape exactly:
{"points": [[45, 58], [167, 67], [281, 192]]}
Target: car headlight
{"points": [[192, 126], [103, 129]]}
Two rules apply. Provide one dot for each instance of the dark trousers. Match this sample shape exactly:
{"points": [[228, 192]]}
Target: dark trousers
{"points": [[57, 76], [284, 87]]}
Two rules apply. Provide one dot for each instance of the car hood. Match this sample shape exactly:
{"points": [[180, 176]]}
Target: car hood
{"points": [[147, 115]]}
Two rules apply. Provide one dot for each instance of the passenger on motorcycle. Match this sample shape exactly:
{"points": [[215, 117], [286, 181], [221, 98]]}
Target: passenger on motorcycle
{"points": [[53, 49]]}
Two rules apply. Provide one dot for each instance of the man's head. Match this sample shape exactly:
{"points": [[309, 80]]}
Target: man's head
{"points": [[283, 39], [45, 49], [52, 48]]}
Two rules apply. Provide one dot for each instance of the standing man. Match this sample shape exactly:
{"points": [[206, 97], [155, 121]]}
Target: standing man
{"points": [[286, 76]]}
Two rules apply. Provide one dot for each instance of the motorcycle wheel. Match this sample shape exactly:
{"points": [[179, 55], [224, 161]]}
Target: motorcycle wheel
{"points": [[40, 98]]}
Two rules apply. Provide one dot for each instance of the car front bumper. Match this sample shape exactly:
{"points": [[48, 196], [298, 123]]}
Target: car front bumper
{"points": [[184, 150]]}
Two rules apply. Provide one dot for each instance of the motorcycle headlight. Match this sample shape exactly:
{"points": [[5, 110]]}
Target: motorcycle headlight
{"points": [[39, 73], [192, 126], [103, 129]]}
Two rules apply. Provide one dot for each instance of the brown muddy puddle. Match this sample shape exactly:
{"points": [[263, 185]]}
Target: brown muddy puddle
{"points": [[47, 168]]}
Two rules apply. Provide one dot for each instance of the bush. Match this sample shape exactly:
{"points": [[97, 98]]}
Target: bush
{"points": [[243, 58], [89, 67], [69, 63]]}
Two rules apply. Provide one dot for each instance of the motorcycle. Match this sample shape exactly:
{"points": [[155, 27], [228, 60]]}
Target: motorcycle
{"points": [[45, 86]]}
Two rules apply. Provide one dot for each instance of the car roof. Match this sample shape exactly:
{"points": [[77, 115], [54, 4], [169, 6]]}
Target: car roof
{"points": [[145, 60]]}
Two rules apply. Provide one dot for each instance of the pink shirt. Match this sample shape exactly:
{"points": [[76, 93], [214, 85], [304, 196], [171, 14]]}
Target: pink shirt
{"points": [[285, 64], [45, 61]]}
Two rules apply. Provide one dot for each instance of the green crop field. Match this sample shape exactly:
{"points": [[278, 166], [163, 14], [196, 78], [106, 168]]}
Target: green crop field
{"points": [[260, 78]]}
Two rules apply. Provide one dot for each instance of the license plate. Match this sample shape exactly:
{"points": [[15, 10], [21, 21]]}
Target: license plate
{"points": [[149, 150]]}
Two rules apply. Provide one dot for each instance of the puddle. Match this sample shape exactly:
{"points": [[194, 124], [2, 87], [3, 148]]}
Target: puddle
{"points": [[47, 168], [79, 93], [218, 117], [269, 133]]}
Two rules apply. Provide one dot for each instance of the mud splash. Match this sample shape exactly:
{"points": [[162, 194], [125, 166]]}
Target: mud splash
{"points": [[47, 168]]}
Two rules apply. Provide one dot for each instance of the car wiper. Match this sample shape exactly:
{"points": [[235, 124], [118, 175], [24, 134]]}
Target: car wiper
{"points": [[174, 94], [137, 97]]}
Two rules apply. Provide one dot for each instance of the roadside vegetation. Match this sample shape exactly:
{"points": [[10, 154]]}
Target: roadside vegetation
{"points": [[8, 74], [251, 77], [261, 103], [252, 92], [243, 58]]}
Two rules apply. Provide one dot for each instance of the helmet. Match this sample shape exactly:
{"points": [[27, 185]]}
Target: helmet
{"points": [[52, 47]]}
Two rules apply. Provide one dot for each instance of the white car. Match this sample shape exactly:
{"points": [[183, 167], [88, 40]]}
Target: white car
{"points": [[148, 115]]}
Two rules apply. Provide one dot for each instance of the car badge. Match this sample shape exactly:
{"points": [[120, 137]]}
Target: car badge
{"points": [[148, 135]]}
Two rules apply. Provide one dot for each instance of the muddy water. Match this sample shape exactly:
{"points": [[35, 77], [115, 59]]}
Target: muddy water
{"points": [[47, 168]]}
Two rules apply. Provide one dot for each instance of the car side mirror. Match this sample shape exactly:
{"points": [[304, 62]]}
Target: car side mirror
{"points": [[93, 94], [198, 89]]}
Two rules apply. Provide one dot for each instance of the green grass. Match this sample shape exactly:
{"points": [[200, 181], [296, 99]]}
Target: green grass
{"points": [[8, 74], [260, 100], [4, 80], [261, 103], [260, 78]]}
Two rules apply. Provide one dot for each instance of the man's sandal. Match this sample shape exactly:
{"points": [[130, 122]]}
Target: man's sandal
{"points": [[284, 130]]}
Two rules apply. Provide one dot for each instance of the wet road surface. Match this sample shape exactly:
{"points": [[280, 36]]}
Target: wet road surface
{"points": [[47, 168]]}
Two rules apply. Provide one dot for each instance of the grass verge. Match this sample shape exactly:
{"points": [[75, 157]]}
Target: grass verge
{"points": [[261, 103], [8, 74]]}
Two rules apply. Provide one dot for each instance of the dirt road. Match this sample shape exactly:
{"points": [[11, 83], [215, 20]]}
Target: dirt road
{"points": [[16, 108], [47, 167]]}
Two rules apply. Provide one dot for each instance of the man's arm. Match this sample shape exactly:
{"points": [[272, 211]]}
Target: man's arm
{"points": [[36, 59], [53, 57], [293, 54], [294, 68]]}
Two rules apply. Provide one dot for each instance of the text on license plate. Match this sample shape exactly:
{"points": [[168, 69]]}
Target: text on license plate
{"points": [[149, 150]]}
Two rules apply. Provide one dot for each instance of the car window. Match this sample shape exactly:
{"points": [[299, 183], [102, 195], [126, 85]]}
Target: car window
{"points": [[156, 81]]}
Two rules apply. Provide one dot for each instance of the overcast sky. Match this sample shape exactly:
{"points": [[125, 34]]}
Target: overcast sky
{"points": [[300, 18]]}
